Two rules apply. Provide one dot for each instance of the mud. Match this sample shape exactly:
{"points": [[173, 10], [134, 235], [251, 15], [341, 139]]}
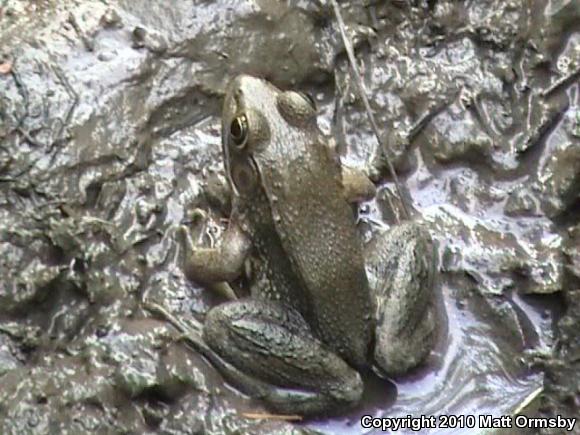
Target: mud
{"points": [[109, 138]]}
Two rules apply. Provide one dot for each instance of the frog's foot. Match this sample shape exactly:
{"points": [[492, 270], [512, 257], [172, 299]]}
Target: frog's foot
{"points": [[268, 351], [400, 266]]}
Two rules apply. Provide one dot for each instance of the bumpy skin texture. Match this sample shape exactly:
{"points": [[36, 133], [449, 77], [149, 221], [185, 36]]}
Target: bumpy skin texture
{"points": [[272, 342], [309, 319], [400, 267], [299, 187]]}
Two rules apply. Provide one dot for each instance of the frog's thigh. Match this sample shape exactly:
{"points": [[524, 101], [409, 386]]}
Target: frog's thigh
{"points": [[279, 359], [357, 187], [400, 267]]}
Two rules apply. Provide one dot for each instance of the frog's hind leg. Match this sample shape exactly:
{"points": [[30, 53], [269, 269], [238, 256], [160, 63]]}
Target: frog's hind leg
{"points": [[268, 351], [400, 266]]}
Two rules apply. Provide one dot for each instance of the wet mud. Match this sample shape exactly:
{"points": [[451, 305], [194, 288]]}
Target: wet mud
{"points": [[110, 138]]}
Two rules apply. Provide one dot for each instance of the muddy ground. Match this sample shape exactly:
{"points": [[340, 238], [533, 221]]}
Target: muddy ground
{"points": [[109, 138]]}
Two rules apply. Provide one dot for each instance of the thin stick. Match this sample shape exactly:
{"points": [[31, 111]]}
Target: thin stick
{"points": [[60, 135], [265, 416], [568, 79], [23, 93], [527, 401], [187, 333], [363, 95]]}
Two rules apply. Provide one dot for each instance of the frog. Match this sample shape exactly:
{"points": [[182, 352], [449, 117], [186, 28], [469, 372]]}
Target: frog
{"points": [[321, 309]]}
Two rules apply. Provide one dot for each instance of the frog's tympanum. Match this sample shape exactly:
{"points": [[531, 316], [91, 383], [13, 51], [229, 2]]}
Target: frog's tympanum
{"points": [[320, 309]]}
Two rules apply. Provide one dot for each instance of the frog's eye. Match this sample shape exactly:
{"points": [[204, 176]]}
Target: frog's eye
{"points": [[244, 175], [296, 107], [248, 131], [239, 131]]}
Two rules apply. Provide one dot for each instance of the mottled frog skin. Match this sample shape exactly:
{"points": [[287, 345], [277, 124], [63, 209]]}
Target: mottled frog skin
{"points": [[317, 307]]}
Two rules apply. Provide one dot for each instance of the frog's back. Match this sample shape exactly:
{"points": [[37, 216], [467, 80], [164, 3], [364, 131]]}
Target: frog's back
{"points": [[317, 230]]}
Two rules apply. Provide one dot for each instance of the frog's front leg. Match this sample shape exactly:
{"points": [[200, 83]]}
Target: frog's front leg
{"points": [[400, 266], [222, 263]]}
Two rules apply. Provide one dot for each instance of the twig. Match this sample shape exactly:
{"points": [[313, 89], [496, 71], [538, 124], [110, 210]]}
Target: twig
{"points": [[363, 95], [71, 93], [561, 82], [75, 100], [26, 135], [187, 334], [265, 416], [424, 119], [23, 93], [24, 170], [89, 44], [527, 401]]}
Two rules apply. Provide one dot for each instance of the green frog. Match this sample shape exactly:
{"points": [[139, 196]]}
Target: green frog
{"points": [[322, 308]]}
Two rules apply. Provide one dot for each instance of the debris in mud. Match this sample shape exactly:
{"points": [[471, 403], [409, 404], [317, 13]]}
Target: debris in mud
{"points": [[266, 416], [497, 260], [5, 68]]}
